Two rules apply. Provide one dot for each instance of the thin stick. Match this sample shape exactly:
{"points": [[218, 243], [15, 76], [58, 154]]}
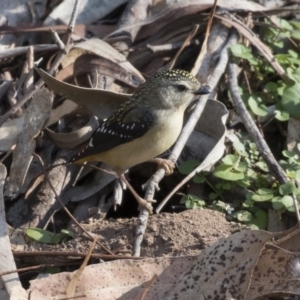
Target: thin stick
{"points": [[254, 133], [199, 60]]}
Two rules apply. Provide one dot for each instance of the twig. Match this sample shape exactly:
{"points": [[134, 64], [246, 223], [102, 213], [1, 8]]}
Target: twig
{"points": [[56, 63], [254, 133], [58, 41], [22, 50], [148, 286], [37, 267], [171, 64], [204, 46], [72, 254], [70, 290]]}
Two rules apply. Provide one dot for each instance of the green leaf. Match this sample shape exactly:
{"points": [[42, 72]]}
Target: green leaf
{"points": [[199, 178], [295, 23], [271, 87], [288, 154], [263, 195], [296, 34], [291, 100], [277, 203], [241, 167], [257, 107], [243, 216], [262, 165], [286, 188], [243, 183], [192, 201], [297, 175], [241, 51], [281, 115], [239, 148], [260, 219], [288, 202], [213, 196], [43, 236], [285, 24], [230, 159], [248, 202], [226, 172], [227, 186], [188, 166]]}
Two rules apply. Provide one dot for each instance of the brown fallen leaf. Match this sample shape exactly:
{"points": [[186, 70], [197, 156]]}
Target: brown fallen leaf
{"points": [[99, 102], [223, 269]]}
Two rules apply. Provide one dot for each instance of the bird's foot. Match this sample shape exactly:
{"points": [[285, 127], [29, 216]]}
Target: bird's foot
{"points": [[167, 164], [149, 183], [143, 203]]}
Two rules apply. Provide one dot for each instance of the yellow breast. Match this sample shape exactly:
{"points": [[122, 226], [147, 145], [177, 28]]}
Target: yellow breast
{"points": [[157, 140]]}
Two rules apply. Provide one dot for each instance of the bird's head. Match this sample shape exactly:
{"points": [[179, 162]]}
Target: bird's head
{"points": [[172, 88]]}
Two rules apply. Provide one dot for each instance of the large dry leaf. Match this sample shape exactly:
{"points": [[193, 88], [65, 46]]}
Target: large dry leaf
{"points": [[34, 119], [276, 273], [75, 138], [62, 110], [96, 53], [222, 269], [100, 103]]}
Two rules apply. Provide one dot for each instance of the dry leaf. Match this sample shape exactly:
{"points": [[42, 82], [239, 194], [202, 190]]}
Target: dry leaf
{"points": [[100, 103], [224, 268]]}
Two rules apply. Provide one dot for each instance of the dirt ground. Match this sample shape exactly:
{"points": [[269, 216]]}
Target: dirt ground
{"points": [[185, 233]]}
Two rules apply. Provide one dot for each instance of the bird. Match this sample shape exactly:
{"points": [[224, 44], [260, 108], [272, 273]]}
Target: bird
{"points": [[144, 126]]}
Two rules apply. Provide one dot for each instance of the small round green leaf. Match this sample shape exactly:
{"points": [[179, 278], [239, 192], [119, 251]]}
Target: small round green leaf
{"points": [[257, 107], [288, 202], [263, 195], [226, 172], [188, 166], [277, 203], [291, 100], [43, 236], [286, 188], [230, 159], [243, 216], [260, 219], [239, 148], [288, 154]]}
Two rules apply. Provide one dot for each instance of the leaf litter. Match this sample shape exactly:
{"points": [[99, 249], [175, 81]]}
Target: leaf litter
{"points": [[244, 265]]}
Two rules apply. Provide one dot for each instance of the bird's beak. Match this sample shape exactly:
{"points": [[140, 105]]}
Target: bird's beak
{"points": [[205, 89]]}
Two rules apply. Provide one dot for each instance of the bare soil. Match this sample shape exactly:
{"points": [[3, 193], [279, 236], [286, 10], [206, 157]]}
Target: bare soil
{"points": [[185, 233]]}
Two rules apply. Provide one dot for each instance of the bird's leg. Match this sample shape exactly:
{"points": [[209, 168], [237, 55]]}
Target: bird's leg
{"points": [[167, 164], [142, 202]]}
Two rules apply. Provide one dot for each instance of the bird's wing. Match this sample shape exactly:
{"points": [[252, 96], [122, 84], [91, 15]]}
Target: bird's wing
{"points": [[118, 130]]}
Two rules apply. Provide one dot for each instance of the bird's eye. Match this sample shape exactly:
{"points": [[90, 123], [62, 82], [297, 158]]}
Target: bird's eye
{"points": [[181, 88]]}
